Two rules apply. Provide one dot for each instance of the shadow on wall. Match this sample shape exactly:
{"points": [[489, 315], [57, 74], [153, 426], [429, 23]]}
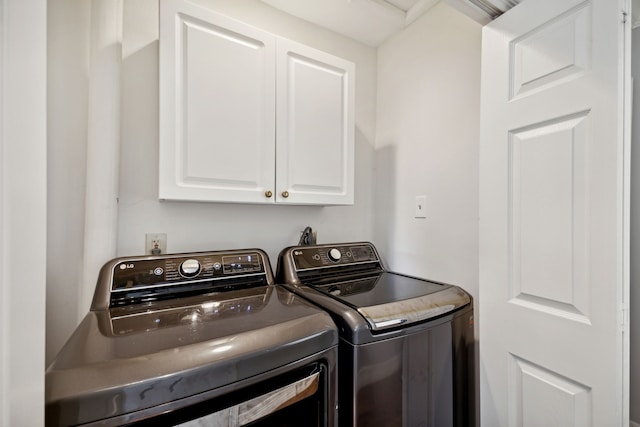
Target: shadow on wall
{"points": [[384, 218], [140, 99]]}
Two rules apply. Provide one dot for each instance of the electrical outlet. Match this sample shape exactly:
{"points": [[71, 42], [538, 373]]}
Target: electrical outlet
{"points": [[155, 243], [421, 207]]}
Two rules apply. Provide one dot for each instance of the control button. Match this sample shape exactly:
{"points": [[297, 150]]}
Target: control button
{"points": [[158, 271], [335, 255], [190, 268], [217, 266], [316, 257]]}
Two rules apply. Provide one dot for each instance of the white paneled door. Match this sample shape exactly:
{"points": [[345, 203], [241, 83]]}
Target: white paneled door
{"points": [[554, 215]]}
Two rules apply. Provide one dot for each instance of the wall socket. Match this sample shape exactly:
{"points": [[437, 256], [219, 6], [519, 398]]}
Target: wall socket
{"points": [[155, 243]]}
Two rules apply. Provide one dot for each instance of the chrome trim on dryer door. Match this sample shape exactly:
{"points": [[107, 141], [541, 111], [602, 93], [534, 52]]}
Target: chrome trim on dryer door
{"points": [[259, 407]]}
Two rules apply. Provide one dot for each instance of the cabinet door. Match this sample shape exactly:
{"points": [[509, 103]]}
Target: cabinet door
{"points": [[315, 126], [217, 107]]}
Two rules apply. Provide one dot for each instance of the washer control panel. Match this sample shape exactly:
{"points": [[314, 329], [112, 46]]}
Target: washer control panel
{"points": [[145, 273], [332, 255]]}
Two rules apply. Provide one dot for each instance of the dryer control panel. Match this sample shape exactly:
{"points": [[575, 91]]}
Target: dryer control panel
{"points": [[130, 274], [131, 280]]}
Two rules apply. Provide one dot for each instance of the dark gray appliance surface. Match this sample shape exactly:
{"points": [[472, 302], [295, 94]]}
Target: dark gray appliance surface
{"points": [[406, 344], [168, 331]]}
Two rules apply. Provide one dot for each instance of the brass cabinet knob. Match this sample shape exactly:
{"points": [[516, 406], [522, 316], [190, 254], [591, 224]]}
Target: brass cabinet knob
{"points": [[268, 193], [285, 194]]}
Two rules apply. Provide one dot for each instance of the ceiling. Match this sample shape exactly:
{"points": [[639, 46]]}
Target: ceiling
{"points": [[368, 21], [374, 21]]}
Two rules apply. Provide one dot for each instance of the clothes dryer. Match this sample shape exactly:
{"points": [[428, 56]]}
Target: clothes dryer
{"points": [[195, 339]]}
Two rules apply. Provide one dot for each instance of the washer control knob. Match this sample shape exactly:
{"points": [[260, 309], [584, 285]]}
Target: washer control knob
{"points": [[190, 268], [335, 255]]}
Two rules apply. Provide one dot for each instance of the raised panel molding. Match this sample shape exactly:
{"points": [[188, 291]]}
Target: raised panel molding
{"points": [[213, 148], [315, 125], [548, 203], [307, 122], [540, 397], [551, 54]]}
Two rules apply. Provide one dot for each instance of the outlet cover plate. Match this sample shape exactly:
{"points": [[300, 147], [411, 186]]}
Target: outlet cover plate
{"points": [[155, 240]]}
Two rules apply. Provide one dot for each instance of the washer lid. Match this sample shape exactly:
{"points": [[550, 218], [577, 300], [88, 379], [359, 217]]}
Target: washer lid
{"points": [[387, 300]]}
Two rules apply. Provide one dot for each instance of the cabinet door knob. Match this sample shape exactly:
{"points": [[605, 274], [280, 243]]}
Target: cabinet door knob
{"points": [[285, 194], [268, 193]]}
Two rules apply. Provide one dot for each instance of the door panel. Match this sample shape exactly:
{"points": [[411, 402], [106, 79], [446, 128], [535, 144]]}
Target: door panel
{"points": [[552, 216], [315, 130], [548, 180], [541, 397], [216, 97], [552, 53]]}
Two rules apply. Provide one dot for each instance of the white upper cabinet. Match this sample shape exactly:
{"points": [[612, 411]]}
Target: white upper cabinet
{"points": [[219, 111]]}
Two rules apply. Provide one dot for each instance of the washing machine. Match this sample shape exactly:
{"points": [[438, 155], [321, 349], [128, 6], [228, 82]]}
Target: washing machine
{"points": [[195, 339], [406, 353]]}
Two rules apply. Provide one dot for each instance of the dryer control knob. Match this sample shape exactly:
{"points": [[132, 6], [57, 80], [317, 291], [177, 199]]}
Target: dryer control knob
{"points": [[335, 255], [190, 268]]}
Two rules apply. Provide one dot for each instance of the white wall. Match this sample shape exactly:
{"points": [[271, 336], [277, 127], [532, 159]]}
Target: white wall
{"points": [[635, 233], [205, 226], [427, 134], [23, 221], [189, 226], [67, 104], [427, 130]]}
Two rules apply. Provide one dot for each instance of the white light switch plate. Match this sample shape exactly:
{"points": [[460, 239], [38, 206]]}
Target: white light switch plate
{"points": [[421, 207]]}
